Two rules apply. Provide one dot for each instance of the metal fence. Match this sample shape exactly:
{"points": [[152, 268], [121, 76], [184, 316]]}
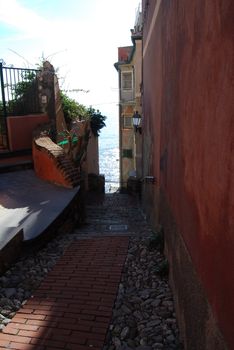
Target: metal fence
{"points": [[18, 94]]}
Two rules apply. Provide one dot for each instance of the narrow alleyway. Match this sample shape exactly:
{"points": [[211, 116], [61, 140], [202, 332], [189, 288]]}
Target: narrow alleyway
{"points": [[97, 287]]}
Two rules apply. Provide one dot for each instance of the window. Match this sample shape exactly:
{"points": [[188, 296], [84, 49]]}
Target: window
{"points": [[127, 80], [127, 153], [127, 122]]}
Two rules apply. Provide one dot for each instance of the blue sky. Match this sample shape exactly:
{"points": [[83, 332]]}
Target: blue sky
{"points": [[80, 37]]}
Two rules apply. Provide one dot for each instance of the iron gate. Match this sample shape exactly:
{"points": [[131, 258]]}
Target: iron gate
{"points": [[18, 96]]}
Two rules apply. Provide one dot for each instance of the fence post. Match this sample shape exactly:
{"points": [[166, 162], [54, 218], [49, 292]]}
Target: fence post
{"points": [[3, 92], [47, 84], [4, 103]]}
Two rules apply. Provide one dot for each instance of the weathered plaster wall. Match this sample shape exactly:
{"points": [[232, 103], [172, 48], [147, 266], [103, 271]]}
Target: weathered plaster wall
{"points": [[93, 155], [127, 163], [188, 74], [59, 115], [127, 143], [152, 100], [137, 62]]}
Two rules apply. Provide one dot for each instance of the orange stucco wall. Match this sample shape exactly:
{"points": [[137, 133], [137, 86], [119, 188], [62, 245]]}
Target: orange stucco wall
{"points": [[20, 129], [188, 136], [46, 169]]}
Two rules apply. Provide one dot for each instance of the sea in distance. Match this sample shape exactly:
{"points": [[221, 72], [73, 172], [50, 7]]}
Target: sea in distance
{"points": [[109, 154]]}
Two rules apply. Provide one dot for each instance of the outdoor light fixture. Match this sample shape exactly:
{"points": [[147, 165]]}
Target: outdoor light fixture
{"points": [[136, 120]]}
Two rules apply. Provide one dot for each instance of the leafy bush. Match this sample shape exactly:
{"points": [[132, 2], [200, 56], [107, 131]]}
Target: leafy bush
{"points": [[73, 110], [97, 121], [21, 88]]}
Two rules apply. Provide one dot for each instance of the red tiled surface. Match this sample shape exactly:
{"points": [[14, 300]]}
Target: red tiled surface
{"points": [[73, 306]]}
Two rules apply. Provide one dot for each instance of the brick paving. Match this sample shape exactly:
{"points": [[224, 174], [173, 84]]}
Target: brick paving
{"points": [[72, 308]]}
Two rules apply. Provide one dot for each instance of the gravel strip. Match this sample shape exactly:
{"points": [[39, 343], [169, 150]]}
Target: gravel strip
{"points": [[143, 317]]}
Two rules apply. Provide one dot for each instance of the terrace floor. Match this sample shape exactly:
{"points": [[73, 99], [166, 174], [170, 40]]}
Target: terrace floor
{"points": [[28, 203]]}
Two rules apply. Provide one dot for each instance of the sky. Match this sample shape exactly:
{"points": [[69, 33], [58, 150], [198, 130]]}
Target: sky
{"points": [[79, 37]]}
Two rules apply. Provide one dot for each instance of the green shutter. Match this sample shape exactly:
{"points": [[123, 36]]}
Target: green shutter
{"points": [[127, 153]]}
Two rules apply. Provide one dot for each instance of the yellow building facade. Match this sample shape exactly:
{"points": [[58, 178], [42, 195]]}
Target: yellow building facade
{"points": [[130, 77]]}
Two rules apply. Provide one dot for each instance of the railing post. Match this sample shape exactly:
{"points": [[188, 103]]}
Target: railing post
{"points": [[3, 92], [3, 102]]}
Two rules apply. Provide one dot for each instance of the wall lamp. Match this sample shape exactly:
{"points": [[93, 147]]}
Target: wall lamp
{"points": [[136, 120]]}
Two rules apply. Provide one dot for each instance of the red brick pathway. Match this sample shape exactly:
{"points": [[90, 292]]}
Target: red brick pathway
{"points": [[73, 306]]}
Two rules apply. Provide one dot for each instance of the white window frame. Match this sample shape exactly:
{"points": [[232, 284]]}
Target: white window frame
{"points": [[126, 124], [122, 80]]}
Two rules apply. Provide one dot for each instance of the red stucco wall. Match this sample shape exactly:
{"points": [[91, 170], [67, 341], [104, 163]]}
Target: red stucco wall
{"points": [[123, 53], [20, 129], [188, 70]]}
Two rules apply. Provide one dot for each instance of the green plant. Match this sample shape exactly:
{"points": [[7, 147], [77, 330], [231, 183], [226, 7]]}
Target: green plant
{"points": [[21, 88], [72, 109], [156, 241], [21, 93], [68, 138], [75, 146], [83, 149], [162, 269], [97, 121]]}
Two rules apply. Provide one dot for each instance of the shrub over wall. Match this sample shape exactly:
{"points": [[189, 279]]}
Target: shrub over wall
{"points": [[73, 110]]}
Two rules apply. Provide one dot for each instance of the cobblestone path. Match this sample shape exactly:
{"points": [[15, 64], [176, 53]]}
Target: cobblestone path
{"points": [[103, 291]]}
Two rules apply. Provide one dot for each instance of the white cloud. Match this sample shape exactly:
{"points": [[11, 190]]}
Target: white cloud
{"points": [[25, 20], [84, 50]]}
